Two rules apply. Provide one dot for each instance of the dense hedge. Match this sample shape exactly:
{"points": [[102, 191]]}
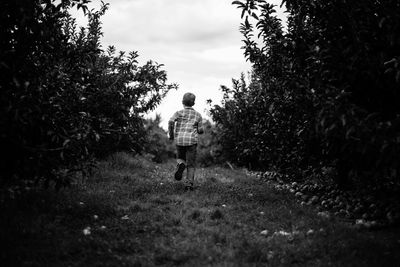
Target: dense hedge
{"points": [[323, 92], [64, 100], [157, 144]]}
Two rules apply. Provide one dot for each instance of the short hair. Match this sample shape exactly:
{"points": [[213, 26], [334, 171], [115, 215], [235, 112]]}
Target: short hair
{"points": [[188, 99]]}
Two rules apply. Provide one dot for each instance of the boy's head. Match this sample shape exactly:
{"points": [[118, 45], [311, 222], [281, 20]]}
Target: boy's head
{"points": [[188, 99]]}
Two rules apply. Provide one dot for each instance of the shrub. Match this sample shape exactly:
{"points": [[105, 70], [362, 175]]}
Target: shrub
{"points": [[65, 101], [157, 143], [322, 93], [209, 151]]}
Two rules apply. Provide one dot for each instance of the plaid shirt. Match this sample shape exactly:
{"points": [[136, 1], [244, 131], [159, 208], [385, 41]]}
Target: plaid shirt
{"points": [[188, 124]]}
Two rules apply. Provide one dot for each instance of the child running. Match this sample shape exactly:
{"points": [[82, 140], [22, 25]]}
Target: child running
{"points": [[185, 126]]}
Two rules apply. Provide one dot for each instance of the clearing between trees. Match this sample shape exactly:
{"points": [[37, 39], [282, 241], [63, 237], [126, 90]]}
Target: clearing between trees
{"points": [[131, 212]]}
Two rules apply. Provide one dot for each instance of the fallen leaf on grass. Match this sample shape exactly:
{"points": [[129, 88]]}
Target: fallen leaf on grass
{"points": [[87, 231], [126, 217], [296, 232], [366, 224], [264, 232], [282, 233], [360, 221], [324, 214]]}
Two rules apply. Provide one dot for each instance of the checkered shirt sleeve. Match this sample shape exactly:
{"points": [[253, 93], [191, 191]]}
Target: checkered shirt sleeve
{"points": [[188, 122]]}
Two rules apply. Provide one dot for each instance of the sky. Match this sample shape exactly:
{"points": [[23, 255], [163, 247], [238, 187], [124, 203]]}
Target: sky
{"points": [[198, 41]]}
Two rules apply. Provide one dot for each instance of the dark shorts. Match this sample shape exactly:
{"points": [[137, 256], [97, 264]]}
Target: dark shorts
{"points": [[188, 154]]}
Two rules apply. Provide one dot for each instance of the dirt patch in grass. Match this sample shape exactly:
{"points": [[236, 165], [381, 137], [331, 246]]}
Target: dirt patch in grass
{"points": [[132, 213]]}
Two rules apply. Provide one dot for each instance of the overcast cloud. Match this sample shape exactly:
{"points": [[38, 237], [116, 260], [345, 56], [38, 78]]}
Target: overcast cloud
{"points": [[198, 41]]}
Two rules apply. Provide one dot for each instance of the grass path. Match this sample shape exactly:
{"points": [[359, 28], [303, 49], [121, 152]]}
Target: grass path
{"points": [[132, 213]]}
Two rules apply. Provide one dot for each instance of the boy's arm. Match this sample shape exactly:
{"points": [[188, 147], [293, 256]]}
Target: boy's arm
{"points": [[171, 126]]}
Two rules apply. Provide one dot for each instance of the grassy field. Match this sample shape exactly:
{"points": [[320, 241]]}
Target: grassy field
{"points": [[132, 213]]}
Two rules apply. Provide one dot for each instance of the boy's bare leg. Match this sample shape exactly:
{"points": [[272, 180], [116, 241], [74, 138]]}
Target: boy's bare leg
{"points": [[190, 177], [191, 166]]}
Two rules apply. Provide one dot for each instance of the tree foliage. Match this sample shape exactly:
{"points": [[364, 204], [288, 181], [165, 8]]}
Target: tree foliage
{"points": [[209, 151], [157, 143], [324, 91], [64, 100]]}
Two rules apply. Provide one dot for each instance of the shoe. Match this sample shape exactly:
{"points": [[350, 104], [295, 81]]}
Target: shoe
{"points": [[179, 171]]}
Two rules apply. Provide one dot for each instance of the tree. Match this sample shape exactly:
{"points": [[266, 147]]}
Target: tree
{"points": [[64, 100], [157, 143], [324, 92]]}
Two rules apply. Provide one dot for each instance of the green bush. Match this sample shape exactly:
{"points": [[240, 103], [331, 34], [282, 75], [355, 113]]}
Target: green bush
{"points": [[157, 143], [323, 93], [209, 151], [65, 101]]}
